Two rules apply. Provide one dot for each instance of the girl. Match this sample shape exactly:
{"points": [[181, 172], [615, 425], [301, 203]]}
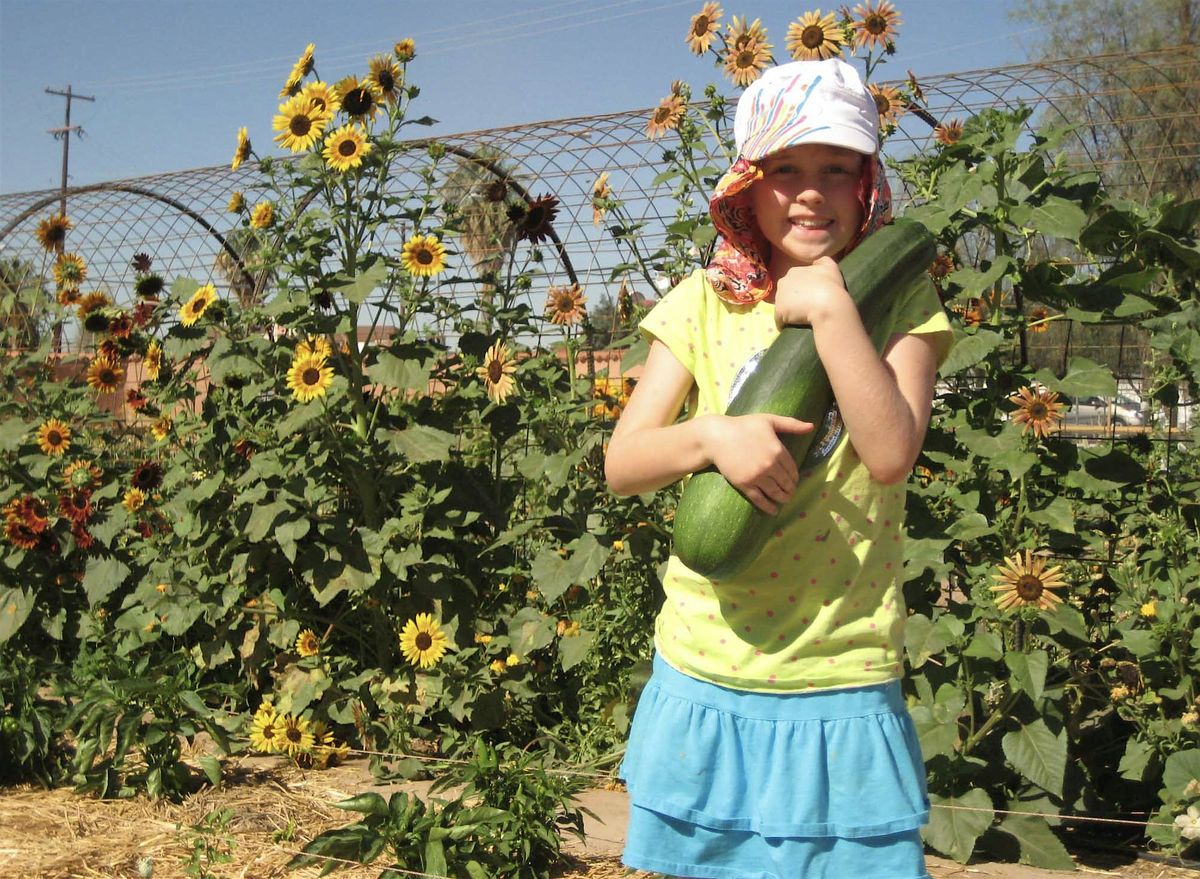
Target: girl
{"points": [[772, 739]]}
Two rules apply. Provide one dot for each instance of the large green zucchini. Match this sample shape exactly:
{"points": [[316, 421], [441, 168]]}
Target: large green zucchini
{"points": [[717, 531]]}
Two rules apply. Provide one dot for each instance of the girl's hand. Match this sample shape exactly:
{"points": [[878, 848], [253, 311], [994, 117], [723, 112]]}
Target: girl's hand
{"points": [[749, 453], [805, 294]]}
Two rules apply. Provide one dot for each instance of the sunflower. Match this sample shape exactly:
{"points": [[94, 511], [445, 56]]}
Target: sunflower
{"points": [[192, 310], [237, 202], [704, 26], [949, 133], [888, 102], [1027, 581], [309, 377], [21, 535], [147, 476], [601, 194], [70, 271], [299, 124], [263, 215], [120, 324], [1038, 320], [321, 97], [296, 737], [346, 147], [972, 312], [149, 286], [876, 24], [302, 68], [141, 261], [625, 302], [565, 305], [134, 500], [307, 643], [325, 749], [54, 437], [105, 376], [387, 76], [497, 373], [423, 256], [52, 232], [242, 151], [942, 265], [76, 505], [1038, 409], [161, 428], [813, 37], [666, 116], [67, 297], [96, 321], [359, 97], [314, 346], [135, 399], [265, 730], [405, 50], [28, 510], [422, 641], [152, 362], [82, 474], [534, 219], [748, 52]]}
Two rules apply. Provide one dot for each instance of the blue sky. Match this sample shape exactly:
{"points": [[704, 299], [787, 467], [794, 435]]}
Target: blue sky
{"points": [[174, 79]]}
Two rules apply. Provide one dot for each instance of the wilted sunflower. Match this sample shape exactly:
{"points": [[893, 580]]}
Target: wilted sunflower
{"points": [[147, 476], [96, 321], [876, 24], [242, 151], [387, 76], [302, 68], [82, 474], [703, 28], [237, 202], [52, 232], [359, 97], [70, 271], [748, 53], [888, 102], [346, 147], [423, 256], [307, 643], [309, 377], [405, 50], [422, 641], [321, 97], [1027, 581], [263, 215], [565, 305], [314, 346], [497, 373], [534, 220], [296, 737], [949, 133], [814, 37], [1038, 320], [133, 500], [192, 310], [141, 262], [1038, 409], [601, 194], [666, 116], [265, 729], [624, 301], [105, 376], [152, 362], [54, 437], [299, 124]]}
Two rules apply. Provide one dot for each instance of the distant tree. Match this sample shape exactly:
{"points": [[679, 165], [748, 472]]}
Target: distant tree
{"points": [[24, 316], [1153, 101]]}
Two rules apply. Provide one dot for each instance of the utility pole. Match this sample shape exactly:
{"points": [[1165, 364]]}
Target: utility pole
{"points": [[64, 134]]}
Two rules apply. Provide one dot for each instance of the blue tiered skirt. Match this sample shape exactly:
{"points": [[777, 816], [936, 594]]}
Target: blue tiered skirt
{"points": [[731, 784]]}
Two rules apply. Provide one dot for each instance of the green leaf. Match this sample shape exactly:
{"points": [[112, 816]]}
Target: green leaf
{"points": [[212, 769], [1056, 217], [367, 804], [102, 577], [1038, 754], [1084, 378], [985, 644], [1029, 671], [956, 822], [1182, 768], [970, 349], [300, 415], [554, 575], [13, 432], [1039, 846], [970, 526], [263, 519], [1135, 760], [975, 283], [922, 639], [530, 630], [358, 288], [421, 443], [15, 605], [1058, 514], [435, 858], [573, 650], [398, 373]]}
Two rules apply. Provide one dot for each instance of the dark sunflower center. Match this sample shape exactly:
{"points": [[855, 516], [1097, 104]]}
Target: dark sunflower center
{"points": [[347, 148], [293, 734], [882, 104], [495, 371], [54, 438], [108, 376], [312, 376], [700, 28], [386, 81], [745, 59], [812, 36], [1038, 410], [301, 125], [875, 24], [662, 114], [423, 641], [357, 101], [424, 256], [1029, 587]]}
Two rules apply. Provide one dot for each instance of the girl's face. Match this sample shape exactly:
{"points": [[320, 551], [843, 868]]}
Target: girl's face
{"points": [[806, 203]]}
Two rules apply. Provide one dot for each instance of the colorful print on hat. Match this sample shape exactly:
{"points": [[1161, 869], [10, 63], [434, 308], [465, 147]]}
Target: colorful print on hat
{"points": [[820, 102]]}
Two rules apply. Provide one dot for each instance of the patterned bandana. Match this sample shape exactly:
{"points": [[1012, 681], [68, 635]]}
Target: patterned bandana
{"points": [[738, 271]]}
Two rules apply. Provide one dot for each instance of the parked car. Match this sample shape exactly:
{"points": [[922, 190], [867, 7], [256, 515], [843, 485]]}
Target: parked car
{"points": [[1122, 409]]}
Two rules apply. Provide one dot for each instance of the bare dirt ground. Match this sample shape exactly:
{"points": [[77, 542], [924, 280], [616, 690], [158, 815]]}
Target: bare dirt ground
{"points": [[277, 808]]}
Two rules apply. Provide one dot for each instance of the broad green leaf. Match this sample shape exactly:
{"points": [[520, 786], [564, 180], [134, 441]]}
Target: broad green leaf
{"points": [[1135, 759], [300, 415], [358, 288], [1084, 378], [970, 526], [922, 639], [15, 605], [421, 443], [212, 769], [1039, 846], [985, 644], [969, 349], [1182, 767], [956, 822], [262, 520], [554, 575], [975, 283], [1038, 754], [530, 630], [102, 577], [1141, 643], [13, 432], [1029, 671], [400, 374], [1058, 514], [573, 650], [1056, 217]]}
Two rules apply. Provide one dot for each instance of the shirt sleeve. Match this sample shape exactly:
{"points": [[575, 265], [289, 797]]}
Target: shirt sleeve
{"points": [[674, 317], [922, 314]]}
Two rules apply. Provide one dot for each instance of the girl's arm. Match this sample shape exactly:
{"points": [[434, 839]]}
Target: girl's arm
{"points": [[649, 449], [885, 400]]}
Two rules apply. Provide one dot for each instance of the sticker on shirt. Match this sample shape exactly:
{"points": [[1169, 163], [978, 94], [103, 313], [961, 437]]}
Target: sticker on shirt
{"points": [[826, 434]]}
